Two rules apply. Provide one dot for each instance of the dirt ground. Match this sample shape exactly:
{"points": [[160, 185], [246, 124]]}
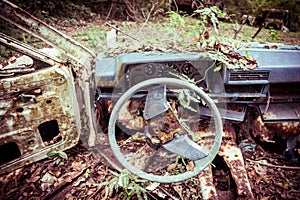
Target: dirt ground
{"points": [[271, 176]]}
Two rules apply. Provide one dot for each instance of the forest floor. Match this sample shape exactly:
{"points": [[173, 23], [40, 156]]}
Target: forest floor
{"points": [[78, 177]]}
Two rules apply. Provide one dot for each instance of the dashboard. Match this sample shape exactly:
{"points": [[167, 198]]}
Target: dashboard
{"points": [[139, 72], [136, 67]]}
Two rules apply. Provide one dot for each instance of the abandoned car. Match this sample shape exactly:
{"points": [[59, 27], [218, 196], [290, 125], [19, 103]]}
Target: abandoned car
{"points": [[175, 103]]}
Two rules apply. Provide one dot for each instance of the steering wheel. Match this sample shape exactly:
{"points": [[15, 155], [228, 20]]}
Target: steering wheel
{"points": [[200, 164]]}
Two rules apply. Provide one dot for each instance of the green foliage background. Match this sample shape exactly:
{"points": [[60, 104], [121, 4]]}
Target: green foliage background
{"points": [[81, 9]]}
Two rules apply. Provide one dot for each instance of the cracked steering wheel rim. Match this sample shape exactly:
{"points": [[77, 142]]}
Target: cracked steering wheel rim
{"points": [[199, 164]]}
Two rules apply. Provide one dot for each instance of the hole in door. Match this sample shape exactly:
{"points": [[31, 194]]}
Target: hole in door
{"points": [[9, 152], [49, 130]]}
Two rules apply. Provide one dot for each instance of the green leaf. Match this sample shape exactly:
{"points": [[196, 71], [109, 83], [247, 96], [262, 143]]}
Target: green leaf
{"points": [[115, 183], [125, 181], [218, 68], [63, 155], [87, 173], [247, 55], [140, 181], [103, 183], [57, 161], [52, 153], [183, 161], [114, 173]]}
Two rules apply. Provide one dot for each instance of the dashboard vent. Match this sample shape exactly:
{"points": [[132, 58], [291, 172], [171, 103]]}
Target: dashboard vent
{"points": [[249, 76]]}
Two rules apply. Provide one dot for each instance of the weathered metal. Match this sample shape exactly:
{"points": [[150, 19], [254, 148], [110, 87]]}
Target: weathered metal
{"points": [[23, 48], [156, 102], [233, 157], [186, 147], [208, 189], [67, 86], [48, 122], [82, 59]]}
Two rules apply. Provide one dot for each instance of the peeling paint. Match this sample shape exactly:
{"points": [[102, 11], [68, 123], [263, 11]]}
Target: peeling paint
{"points": [[22, 120], [65, 100]]}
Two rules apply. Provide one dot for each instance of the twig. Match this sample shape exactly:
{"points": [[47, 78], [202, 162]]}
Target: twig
{"points": [[119, 30], [131, 11], [206, 71], [240, 28], [271, 165], [176, 5], [148, 17], [111, 6], [170, 195], [153, 197], [97, 191]]}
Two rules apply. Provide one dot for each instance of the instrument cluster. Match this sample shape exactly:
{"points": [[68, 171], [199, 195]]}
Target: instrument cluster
{"points": [[136, 73]]}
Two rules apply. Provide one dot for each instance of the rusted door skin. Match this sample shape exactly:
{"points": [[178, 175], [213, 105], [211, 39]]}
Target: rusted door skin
{"points": [[82, 59]]}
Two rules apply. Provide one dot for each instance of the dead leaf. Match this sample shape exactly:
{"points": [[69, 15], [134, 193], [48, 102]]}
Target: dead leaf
{"points": [[78, 166], [284, 186], [47, 181], [152, 186], [251, 65], [160, 193], [260, 169], [265, 198], [48, 178], [171, 166], [33, 179], [178, 189], [77, 183], [190, 166]]}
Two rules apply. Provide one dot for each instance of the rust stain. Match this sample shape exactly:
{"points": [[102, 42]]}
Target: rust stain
{"points": [[234, 159], [54, 97], [128, 117], [207, 186], [267, 131]]}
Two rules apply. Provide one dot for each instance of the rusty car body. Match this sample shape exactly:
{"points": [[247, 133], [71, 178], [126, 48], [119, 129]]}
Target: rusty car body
{"points": [[45, 105]]}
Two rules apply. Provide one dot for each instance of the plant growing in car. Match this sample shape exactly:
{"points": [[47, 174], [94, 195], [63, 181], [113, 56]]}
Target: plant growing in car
{"points": [[58, 156], [129, 184]]}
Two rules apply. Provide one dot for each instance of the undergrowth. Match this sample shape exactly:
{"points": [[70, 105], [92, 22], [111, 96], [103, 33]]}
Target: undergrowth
{"points": [[127, 185]]}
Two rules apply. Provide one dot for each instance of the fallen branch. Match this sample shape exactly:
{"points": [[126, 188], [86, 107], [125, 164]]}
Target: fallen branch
{"points": [[257, 32], [271, 165], [119, 30], [261, 22]]}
